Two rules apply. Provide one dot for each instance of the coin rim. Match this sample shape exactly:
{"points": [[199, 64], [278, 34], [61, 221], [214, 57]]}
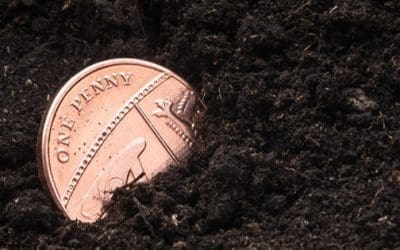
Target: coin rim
{"points": [[42, 155]]}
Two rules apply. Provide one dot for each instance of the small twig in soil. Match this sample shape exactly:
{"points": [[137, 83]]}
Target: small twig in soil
{"points": [[139, 16], [378, 192], [333, 9], [382, 119], [66, 5], [295, 12]]}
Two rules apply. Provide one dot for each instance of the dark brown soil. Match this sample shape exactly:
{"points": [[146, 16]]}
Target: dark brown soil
{"points": [[302, 142]]}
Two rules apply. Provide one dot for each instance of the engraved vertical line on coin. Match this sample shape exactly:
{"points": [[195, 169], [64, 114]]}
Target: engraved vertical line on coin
{"points": [[157, 134], [120, 114]]}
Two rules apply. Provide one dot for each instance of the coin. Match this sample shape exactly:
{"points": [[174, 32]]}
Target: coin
{"points": [[116, 122]]}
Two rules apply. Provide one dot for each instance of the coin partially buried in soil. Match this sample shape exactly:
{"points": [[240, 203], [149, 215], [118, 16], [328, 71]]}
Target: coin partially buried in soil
{"points": [[114, 123]]}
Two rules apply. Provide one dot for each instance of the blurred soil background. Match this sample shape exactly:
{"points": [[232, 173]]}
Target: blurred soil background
{"points": [[301, 144]]}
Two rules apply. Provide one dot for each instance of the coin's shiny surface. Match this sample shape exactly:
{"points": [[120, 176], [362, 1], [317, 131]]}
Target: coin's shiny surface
{"points": [[116, 122]]}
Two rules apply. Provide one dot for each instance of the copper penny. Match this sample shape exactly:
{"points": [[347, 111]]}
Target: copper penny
{"points": [[114, 123]]}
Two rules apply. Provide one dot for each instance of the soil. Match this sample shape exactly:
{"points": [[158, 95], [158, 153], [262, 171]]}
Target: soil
{"points": [[301, 143]]}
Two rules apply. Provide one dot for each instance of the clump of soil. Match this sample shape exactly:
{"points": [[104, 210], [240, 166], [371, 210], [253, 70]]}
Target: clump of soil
{"points": [[301, 141]]}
